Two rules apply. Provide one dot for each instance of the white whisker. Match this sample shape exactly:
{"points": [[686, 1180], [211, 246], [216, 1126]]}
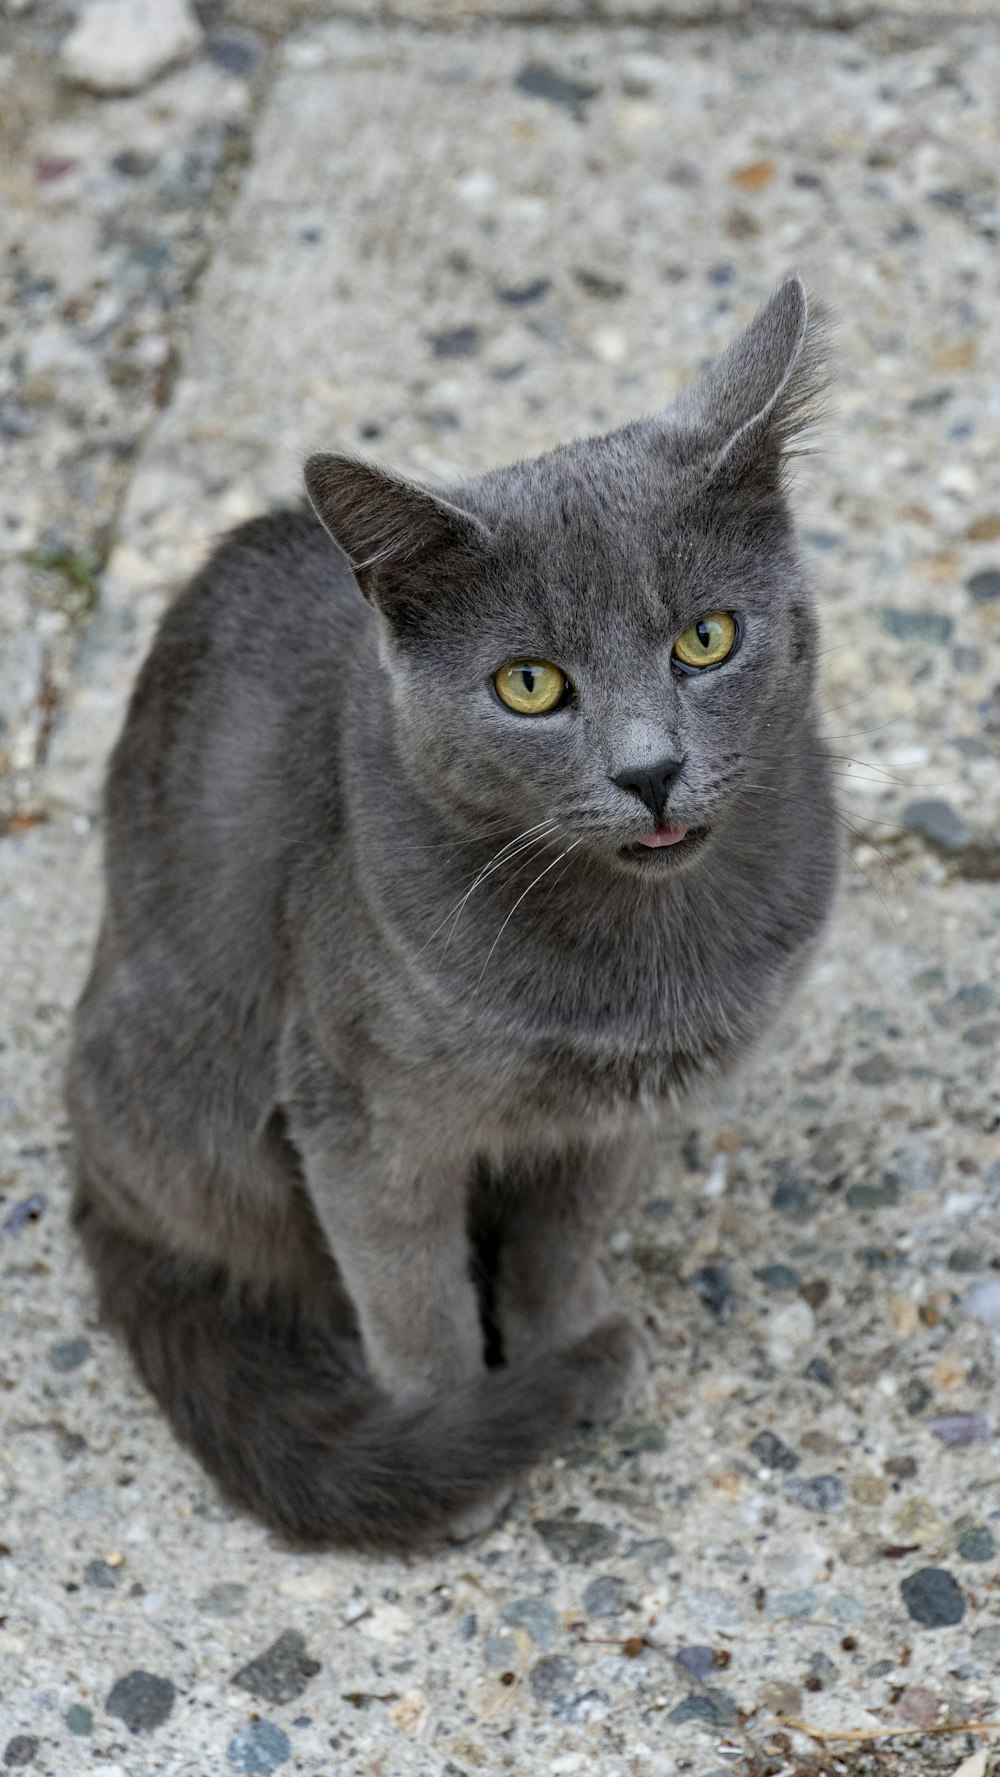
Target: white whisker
{"points": [[506, 853], [533, 884]]}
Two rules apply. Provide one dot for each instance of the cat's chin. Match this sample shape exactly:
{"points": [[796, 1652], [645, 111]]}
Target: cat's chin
{"points": [[644, 859]]}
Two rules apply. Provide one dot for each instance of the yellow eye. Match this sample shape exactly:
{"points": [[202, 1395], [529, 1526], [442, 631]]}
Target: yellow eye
{"points": [[708, 641], [531, 687]]}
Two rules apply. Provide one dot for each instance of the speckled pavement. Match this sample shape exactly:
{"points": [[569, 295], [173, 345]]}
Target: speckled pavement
{"points": [[448, 248]]}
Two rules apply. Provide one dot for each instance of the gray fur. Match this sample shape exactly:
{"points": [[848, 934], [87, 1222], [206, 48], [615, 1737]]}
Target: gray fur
{"points": [[383, 999]]}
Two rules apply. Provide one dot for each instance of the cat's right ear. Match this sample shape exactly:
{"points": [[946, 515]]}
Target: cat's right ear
{"points": [[391, 530], [766, 390]]}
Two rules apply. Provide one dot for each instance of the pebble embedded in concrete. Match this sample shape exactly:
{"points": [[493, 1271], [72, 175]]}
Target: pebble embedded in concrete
{"points": [[117, 46]]}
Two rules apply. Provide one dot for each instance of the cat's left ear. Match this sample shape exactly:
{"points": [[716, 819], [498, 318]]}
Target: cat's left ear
{"points": [[391, 530], [763, 392]]}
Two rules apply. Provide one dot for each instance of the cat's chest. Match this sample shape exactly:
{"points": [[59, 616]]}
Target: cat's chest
{"points": [[582, 1036]]}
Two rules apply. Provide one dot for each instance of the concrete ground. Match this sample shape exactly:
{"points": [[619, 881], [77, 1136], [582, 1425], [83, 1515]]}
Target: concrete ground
{"points": [[443, 237]]}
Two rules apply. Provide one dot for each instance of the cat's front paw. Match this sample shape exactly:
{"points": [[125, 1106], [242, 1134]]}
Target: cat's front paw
{"points": [[479, 1517], [608, 1366]]}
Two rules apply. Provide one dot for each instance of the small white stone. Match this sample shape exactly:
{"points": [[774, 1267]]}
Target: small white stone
{"points": [[387, 1623], [476, 187], [116, 46], [412, 1713], [790, 1328], [960, 1203], [609, 344], [309, 1587], [982, 1302], [715, 1183], [910, 755], [959, 479]]}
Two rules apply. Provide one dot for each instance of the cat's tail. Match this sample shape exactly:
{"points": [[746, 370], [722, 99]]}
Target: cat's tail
{"points": [[283, 1426]]}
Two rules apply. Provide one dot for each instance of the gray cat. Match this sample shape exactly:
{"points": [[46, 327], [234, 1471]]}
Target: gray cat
{"points": [[429, 885]]}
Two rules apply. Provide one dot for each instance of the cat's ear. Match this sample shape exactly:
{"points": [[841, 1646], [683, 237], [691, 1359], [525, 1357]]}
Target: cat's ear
{"points": [[764, 391], [386, 526]]}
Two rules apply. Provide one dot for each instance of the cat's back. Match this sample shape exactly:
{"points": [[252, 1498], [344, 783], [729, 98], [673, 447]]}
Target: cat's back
{"points": [[233, 710]]}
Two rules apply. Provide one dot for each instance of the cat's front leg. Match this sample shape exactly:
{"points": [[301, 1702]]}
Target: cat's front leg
{"points": [[395, 1221], [553, 1215]]}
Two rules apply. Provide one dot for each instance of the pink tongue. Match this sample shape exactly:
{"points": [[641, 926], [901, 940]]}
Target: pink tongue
{"points": [[662, 835]]}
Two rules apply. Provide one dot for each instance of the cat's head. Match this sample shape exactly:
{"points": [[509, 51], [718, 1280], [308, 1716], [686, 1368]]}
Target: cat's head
{"points": [[616, 637]]}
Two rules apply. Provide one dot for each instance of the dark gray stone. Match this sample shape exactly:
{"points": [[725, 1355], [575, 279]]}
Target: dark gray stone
{"points": [[937, 822], [959, 1429], [280, 1673], [20, 1751], [967, 1259], [224, 1599], [782, 1279], [594, 283], [455, 342], [141, 1700], [770, 1451], [15, 420], [712, 1285], [933, 1598], [79, 1719], [876, 1070], [576, 1539], [70, 1354], [500, 1652], [975, 996], [540, 1619], [633, 1437], [714, 1708], [873, 1196], [605, 1596], [818, 1370], [698, 1661], [822, 1667], [984, 586], [237, 51], [915, 1396], [818, 1493], [99, 1574], [552, 1677], [542, 82], [521, 295], [258, 1749], [882, 1258], [915, 626], [30, 1209], [978, 1544], [652, 1550], [794, 1198]]}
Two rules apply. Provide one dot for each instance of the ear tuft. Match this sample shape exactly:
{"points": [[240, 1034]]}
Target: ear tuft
{"points": [[767, 387], [380, 519]]}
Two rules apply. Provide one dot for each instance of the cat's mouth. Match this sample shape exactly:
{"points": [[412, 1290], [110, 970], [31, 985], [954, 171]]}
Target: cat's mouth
{"points": [[665, 844]]}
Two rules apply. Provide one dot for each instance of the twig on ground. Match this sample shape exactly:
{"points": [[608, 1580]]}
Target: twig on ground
{"points": [[824, 1736]]}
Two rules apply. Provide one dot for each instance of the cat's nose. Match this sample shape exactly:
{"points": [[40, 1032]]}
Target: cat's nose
{"points": [[651, 783]]}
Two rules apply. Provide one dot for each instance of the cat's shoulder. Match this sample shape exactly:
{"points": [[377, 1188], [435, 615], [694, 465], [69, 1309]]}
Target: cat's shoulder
{"points": [[279, 566], [274, 605]]}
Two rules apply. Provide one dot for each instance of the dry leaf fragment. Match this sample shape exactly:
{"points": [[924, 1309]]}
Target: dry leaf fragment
{"points": [[412, 1712], [753, 177], [974, 1765], [904, 1312]]}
